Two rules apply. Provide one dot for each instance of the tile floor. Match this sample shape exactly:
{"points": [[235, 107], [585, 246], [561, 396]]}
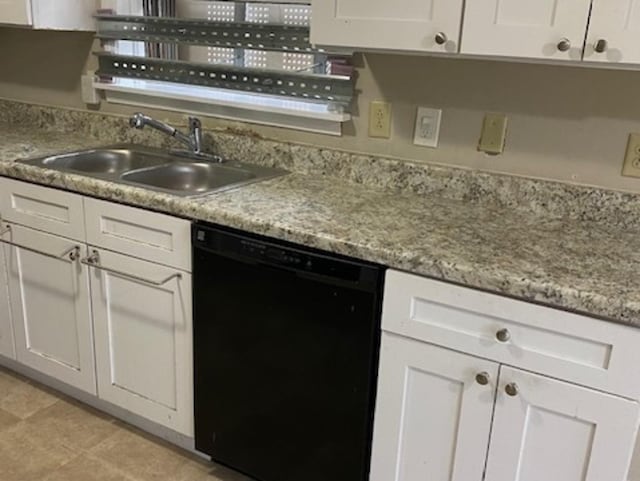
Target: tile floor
{"points": [[46, 436]]}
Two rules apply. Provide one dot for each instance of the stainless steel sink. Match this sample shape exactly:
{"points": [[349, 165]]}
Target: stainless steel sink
{"points": [[191, 178], [103, 161], [170, 172]]}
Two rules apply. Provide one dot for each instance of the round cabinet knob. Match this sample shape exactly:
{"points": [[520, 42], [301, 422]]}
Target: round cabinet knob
{"points": [[483, 378], [74, 255], [601, 46], [564, 45], [512, 389], [441, 38], [503, 335]]}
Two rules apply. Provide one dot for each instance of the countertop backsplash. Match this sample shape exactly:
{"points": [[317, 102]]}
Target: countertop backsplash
{"points": [[541, 197]]}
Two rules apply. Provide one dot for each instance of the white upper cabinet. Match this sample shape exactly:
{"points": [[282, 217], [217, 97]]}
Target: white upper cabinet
{"points": [[544, 429], [542, 29], [409, 25], [605, 31], [614, 32], [48, 14], [15, 12]]}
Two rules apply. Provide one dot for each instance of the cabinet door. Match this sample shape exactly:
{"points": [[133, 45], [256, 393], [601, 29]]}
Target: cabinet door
{"points": [[545, 29], [64, 14], [7, 347], [411, 25], [432, 417], [143, 339], [16, 12], [49, 295], [614, 32], [552, 430]]}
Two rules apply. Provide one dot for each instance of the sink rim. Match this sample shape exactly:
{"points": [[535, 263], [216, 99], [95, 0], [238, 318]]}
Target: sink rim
{"points": [[166, 158]]}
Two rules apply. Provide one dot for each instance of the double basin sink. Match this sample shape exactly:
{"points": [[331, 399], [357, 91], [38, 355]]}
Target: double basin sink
{"points": [[178, 173]]}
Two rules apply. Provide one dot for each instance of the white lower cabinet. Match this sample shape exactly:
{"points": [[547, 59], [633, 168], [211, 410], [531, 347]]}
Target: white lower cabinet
{"points": [[7, 347], [131, 294], [143, 338], [556, 431], [440, 394], [432, 417], [49, 295]]}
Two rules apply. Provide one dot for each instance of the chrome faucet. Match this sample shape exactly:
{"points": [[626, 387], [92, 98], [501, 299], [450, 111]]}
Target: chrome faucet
{"points": [[193, 141]]}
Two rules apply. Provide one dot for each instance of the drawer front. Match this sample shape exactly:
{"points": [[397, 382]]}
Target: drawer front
{"points": [[139, 233], [568, 346], [42, 208]]}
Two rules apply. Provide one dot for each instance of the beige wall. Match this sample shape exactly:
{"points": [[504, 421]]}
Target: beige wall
{"points": [[565, 123]]}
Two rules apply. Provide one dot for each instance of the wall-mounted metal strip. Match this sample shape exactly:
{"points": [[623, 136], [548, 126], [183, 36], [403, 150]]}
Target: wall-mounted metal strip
{"points": [[285, 38], [324, 88]]}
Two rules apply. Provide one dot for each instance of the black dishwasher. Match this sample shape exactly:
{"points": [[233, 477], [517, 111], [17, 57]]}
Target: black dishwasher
{"points": [[286, 343]]}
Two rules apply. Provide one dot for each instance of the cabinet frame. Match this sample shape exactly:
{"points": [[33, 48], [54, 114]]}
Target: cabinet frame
{"points": [[7, 336]]}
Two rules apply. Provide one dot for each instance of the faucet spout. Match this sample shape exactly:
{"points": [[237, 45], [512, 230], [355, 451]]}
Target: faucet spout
{"points": [[193, 141]]}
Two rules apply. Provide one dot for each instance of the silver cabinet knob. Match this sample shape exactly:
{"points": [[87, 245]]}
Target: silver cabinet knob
{"points": [[601, 46], [74, 255], [564, 45], [512, 389], [483, 378], [441, 38], [503, 335]]}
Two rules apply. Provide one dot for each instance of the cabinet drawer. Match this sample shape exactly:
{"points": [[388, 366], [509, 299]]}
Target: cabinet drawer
{"points": [[42, 208], [568, 346], [137, 232]]}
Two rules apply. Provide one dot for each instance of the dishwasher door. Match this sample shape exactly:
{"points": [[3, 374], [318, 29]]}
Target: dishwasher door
{"points": [[285, 359]]}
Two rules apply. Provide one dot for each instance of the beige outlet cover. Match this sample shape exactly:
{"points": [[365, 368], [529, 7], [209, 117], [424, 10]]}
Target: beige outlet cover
{"points": [[631, 167], [494, 134]]}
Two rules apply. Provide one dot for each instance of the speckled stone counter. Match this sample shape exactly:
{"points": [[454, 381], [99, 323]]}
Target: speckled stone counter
{"points": [[569, 255]]}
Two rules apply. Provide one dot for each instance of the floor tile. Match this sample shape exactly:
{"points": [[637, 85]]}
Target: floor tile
{"points": [[69, 425], [46, 436], [7, 420], [7, 382], [24, 399], [26, 459], [85, 468], [140, 456]]}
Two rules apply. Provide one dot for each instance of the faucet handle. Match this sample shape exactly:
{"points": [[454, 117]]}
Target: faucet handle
{"points": [[195, 128], [194, 123], [137, 120]]}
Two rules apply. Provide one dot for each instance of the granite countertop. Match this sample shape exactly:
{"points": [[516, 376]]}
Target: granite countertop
{"points": [[583, 266]]}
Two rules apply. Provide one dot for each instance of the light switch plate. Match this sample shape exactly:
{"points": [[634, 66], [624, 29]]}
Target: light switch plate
{"points": [[427, 130], [494, 134]]}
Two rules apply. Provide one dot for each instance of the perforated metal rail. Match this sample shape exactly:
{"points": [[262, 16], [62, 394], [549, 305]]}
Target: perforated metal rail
{"points": [[285, 38], [334, 89]]}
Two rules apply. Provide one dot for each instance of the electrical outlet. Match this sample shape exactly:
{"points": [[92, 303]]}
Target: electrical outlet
{"points": [[380, 119], [494, 134], [631, 166]]}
